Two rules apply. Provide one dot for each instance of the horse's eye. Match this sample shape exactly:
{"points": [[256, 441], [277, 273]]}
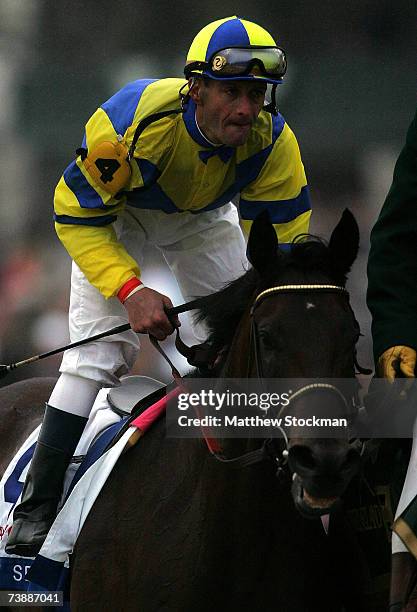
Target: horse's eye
{"points": [[266, 339]]}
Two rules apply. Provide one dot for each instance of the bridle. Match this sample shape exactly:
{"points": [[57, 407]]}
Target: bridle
{"points": [[279, 290], [269, 450]]}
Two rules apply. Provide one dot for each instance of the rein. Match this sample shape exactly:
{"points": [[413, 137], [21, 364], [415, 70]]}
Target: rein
{"points": [[201, 355]]}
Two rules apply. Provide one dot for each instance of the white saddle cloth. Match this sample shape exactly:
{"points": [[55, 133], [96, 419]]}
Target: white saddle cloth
{"points": [[408, 493], [122, 398]]}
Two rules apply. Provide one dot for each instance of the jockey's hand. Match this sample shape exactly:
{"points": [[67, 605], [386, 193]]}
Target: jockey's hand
{"points": [[146, 310], [405, 356]]}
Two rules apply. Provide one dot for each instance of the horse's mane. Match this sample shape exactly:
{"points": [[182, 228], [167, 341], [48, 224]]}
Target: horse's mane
{"points": [[221, 311]]}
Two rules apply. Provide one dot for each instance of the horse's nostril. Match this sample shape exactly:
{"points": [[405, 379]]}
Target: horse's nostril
{"points": [[301, 459], [307, 460]]}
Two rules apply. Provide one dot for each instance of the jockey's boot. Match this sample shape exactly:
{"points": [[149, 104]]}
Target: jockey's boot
{"points": [[33, 517]]}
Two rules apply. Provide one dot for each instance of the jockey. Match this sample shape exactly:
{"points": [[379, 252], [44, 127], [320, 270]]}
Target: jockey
{"points": [[160, 163]]}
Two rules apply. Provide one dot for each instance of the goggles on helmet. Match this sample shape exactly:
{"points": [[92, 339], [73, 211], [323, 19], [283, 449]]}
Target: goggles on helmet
{"points": [[235, 62]]}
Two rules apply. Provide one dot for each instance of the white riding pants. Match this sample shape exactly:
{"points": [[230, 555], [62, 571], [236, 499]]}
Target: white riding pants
{"points": [[204, 251]]}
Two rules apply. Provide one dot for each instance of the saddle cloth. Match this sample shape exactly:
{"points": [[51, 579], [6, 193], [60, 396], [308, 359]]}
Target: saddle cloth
{"points": [[84, 479], [404, 530]]}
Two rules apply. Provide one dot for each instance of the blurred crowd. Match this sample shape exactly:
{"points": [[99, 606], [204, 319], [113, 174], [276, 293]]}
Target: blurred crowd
{"points": [[349, 96]]}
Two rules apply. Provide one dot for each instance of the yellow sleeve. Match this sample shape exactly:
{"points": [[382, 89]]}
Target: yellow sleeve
{"points": [[84, 214], [98, 253], [281, 188]]}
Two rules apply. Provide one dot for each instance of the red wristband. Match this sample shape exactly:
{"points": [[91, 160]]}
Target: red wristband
{"points": [[127, 288]]}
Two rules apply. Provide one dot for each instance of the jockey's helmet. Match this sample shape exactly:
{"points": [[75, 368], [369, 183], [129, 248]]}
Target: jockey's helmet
{"points": [[235, 49]]}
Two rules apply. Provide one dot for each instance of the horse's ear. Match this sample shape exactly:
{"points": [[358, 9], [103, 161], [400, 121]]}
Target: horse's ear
{"points": [[262, 243], [344, 243]]}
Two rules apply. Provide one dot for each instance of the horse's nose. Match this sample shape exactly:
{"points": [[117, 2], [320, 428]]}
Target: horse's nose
{"points": [[325, 469]]}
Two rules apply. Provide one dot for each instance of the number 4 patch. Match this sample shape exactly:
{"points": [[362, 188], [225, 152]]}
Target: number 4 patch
{"points": [[108, 166]]}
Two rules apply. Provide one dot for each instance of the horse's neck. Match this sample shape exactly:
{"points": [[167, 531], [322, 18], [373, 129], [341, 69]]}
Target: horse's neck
{"points": [[238, 360]]}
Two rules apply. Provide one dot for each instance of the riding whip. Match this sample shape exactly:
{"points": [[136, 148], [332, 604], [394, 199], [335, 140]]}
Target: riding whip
{"points": [[5, 369]]}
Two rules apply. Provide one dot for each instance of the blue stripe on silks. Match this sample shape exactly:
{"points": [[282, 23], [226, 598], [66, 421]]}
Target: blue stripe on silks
{"points": [[246, 172], [93, 221], [281, 211], [231, 33], [121, 107], [278, 123], [149, 172], [85, 194], [151, 198]]}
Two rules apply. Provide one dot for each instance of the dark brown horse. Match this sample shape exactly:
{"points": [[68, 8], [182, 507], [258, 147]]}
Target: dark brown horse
{"points": [[174, 529], [22, 406]]}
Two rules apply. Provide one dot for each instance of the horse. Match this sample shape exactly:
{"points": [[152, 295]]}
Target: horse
{"points": [[175, 529], [22, 408]]}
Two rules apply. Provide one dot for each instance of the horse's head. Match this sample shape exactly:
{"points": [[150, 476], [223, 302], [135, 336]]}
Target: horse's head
{"points": [[305, 326], [289, 317]]}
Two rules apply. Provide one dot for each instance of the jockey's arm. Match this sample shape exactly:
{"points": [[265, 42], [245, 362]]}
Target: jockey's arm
{"points": [[84, 216]]}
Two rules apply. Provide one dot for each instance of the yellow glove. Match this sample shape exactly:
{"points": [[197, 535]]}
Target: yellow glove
{"points": [[407, 360]]}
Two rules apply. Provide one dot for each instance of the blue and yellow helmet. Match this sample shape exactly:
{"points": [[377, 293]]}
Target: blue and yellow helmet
{"points": [[236, 49]]}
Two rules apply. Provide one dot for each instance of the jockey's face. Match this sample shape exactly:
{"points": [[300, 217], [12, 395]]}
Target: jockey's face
{"points": [[226, 110]]}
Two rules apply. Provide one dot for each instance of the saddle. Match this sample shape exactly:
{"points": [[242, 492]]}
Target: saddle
{"points": [[131, 394]]}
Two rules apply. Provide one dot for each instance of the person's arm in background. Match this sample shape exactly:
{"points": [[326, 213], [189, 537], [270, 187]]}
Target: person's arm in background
{"points": [[392, 269]]}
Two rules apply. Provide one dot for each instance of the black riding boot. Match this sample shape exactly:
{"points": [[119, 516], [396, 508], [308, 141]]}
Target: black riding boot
{"points": [[33, 517]]}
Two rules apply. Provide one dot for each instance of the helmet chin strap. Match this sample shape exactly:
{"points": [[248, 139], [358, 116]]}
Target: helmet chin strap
{"points": [[186, 96], [272, 106]]}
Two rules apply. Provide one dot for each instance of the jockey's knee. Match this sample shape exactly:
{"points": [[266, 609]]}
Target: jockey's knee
{"points": [[85, 370], [103, 362]]}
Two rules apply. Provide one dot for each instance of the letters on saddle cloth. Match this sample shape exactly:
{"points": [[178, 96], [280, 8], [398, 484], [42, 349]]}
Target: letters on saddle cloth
{"points": [[12, 568]]}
